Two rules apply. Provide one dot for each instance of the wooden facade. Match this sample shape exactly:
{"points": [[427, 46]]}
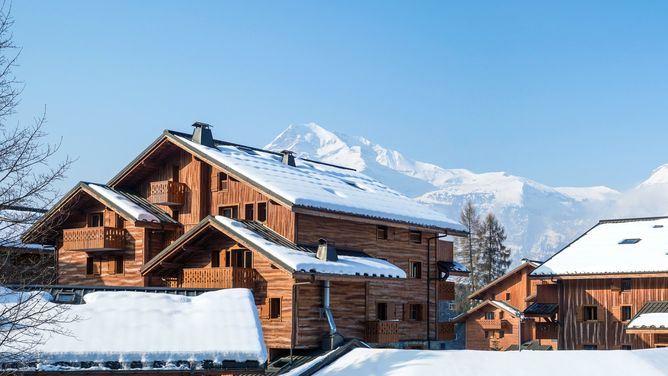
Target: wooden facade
{"points": [[189, 189]]}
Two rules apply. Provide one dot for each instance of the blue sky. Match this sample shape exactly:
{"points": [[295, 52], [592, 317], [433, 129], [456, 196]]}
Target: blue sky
{"points": [[569, 93]]}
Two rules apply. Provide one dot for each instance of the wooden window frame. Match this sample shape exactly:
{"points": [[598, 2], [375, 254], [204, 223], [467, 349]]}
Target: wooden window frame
{"points": [[222, 181], [594, 309], [91, 262], [628, 288], [385, 310], [235, 208], [410, 269], [115, 265], [215, 259], [244, 257], [270, 311], [258, 211], [412, 233], [250, 205], [507, 296], [382, 232], [90, 216], [490, 315], [621, 313]]}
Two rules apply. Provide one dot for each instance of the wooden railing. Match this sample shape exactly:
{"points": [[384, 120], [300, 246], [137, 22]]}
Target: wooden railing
{"points": [[218, 278], [167, 193], [490, 324], [93, 238], [379, 331], [547, 330], [446, 290], [445, 331]]}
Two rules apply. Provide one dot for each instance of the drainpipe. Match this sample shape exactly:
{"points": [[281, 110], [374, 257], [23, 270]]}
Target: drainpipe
{"points": [[325, 307]]}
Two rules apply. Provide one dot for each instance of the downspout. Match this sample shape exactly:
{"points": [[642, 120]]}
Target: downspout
{"points": [[325, 307]]}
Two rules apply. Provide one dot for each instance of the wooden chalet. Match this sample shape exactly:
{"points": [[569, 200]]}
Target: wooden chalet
{"points": [[609, 287], [328, 252], [494, 324]]}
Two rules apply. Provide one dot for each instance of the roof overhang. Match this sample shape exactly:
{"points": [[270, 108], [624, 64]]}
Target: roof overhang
{"points": [[476, 294]]}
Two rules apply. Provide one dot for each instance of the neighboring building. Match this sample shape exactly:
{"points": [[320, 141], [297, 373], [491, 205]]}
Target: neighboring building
{"points": [[494, 324], [609, 287], [327, 251], [24, 264]]}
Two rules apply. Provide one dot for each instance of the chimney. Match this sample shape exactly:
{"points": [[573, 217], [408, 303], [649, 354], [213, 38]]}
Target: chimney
{"points": [[326, 251], [288, 158], [202, 134]]}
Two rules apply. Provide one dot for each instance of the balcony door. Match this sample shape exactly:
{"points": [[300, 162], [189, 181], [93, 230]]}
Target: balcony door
{"points": [[239, 258]]}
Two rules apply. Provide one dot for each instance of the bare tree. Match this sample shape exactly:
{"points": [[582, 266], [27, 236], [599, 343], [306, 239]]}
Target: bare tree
{"points": [[27, 177]]}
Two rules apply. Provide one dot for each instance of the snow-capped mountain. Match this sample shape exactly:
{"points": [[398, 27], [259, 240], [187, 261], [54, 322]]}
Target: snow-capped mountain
{"points": [[539, 219]]}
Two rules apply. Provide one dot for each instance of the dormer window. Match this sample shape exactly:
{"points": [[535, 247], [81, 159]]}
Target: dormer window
{"points": [[630, 241]]}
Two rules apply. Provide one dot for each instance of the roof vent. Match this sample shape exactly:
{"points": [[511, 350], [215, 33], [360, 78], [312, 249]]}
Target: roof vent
{"points": [[326, 251], [657, 226], [630, 241], [288, 158], [202, 134]]}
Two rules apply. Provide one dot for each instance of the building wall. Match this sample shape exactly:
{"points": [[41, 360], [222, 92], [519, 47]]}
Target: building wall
{"points": [[495, 339]]}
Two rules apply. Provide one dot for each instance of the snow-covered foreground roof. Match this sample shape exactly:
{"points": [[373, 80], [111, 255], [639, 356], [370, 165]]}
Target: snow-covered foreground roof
{"points": [[319, 186], [137, 212], [302, 261], [148, 327], [652, 316], [364, 362], [614, 247]]}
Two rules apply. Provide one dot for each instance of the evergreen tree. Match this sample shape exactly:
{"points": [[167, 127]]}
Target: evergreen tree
{"points": [[494, 257], [466, 252]]}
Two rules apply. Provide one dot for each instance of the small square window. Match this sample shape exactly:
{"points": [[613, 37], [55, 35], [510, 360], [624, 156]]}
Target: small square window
{"points": [[626, 313], [415, 269], [626, 284], [590, 313], [222, 181], [489, 315], [274, 308], [416, 312], [415, 237], [381, 232], [381, 311], [262, 211]]}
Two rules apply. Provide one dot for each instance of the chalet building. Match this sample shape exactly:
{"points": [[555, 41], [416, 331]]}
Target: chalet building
{"points": [[329, 252], [609, 287], [494, 324]]}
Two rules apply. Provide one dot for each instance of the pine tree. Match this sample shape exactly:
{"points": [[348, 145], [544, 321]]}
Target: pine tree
{"points": [[467, 250], [494, 257]]}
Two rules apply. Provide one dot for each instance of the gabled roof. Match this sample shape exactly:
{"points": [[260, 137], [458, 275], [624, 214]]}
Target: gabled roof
{"points": [[131, 207], [525, 264], [496, 303], [309, 185], [285, 254], [618, 246], [653, 316]]}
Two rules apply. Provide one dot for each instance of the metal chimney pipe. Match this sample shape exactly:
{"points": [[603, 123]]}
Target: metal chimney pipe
{"points": [[325, 307]]}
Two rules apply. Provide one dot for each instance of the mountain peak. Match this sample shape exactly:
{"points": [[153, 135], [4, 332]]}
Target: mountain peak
{"points": [[658, 176]]}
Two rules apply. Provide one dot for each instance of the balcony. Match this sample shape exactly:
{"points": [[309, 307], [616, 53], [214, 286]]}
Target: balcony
{"points": [[490, 324], [446, 290], [94, 239], [215, 278], [167, 193], [378, 331], [445, 331]]}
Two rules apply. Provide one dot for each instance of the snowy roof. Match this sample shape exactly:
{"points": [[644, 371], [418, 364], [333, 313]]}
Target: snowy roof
{"points": [[496, 303], [136, 207], [614, 247], [364, 361], [290, 256], [652, 316], [525, 263], [130, 327], [320, 186]]}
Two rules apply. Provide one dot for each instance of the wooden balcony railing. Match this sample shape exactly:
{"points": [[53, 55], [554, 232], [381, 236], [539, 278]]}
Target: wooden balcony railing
{"points": [[446, 290], [217, 278], [547, 330], [445, 331], [167, 193], [379, 331], [490, 324], [94, 239]]}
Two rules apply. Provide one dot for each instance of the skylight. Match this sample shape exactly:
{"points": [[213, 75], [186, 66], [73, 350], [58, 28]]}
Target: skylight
{"points": [[630, 241], [657, 226]]}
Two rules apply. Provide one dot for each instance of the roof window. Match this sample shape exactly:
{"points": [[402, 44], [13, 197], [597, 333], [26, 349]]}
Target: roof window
{"points": [[657, 226], [630, 241]]}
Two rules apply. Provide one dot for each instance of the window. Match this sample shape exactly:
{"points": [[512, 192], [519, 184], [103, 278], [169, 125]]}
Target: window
{"points": [[501, 315], [415, 269], [507, 296], [93, 265], [175, 215], [590, 313], [502, 334], [489, 315], [626, 284], [239, 258], [589, 347], [115, 264], [416, 312], [381, 311], [215, 259], [381, 232], [249, 211], [415, 237], [222, 181], [95, 220], [626, 313], [630, 241], [262, 211], [486, 334], [626, 347], [229, 211], [274, 308], [175, 173]]}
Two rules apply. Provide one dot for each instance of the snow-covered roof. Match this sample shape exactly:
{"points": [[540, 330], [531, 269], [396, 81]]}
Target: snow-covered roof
{"points": [[302, 261], [652, 316], [364, 361], [320, 186], [496, 303], [137, 212], [144, 327], [614, 247]]}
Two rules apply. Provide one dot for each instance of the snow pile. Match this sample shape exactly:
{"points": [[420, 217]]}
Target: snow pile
{"points": [[302, 261], [134, 210], [653, 320], [600, 251], [365, 362], [320, 186], [129, 327]]}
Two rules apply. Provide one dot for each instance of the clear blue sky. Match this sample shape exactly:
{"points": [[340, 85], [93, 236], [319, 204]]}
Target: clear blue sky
{"points": [[566, 93]]}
